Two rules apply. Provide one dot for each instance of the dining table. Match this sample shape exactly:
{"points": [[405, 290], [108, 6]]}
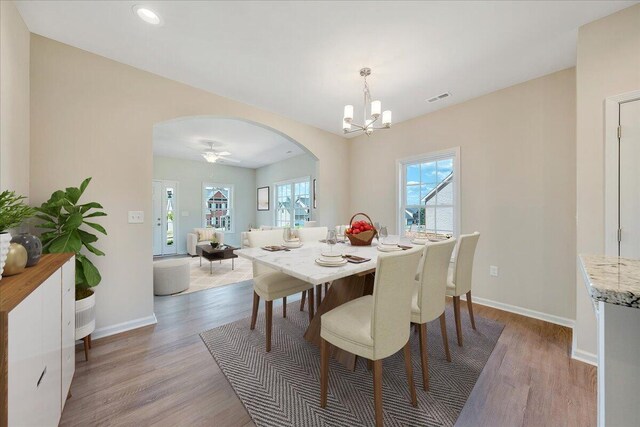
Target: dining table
{"points": [[348, 281]]}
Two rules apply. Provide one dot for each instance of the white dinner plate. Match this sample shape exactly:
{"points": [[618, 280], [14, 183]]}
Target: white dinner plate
{"points": [[292, 244], [331, 264], [384, 248]]}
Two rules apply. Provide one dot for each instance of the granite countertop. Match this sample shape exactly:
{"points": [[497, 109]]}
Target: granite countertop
{"points": [[614, 280]]}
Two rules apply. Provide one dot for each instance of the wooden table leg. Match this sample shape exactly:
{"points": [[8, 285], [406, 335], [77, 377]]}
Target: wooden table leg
{"points": [[341, 291]]}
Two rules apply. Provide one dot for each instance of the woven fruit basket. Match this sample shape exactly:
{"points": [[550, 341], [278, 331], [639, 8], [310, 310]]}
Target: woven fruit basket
{"points": [[361, 233]]}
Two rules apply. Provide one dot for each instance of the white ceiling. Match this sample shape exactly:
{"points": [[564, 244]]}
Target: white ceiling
{"points": [[301, 59], [253, 145]]}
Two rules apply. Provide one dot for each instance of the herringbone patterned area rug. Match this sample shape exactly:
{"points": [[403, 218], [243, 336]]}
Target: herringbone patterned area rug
{"points": [[282, 388]]}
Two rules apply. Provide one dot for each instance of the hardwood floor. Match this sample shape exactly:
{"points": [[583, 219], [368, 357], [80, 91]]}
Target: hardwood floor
{"points": [[164, 375]]}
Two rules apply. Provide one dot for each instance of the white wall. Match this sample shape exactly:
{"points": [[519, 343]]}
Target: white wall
{"points": [[14, 100], [608, 64], [91, 116], [190, 176], [294, 167], [517, 186]]}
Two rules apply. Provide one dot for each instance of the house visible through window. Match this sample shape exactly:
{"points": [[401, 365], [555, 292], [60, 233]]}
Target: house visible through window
{"points": [[429, 200], [293, 202], [218, 206]]}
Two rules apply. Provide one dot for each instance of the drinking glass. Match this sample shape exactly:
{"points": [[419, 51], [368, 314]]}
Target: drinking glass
{"points": [[286, 234], [331, 239], [382, 234]]}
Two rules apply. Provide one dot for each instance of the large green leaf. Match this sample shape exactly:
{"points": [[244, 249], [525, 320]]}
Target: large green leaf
{"points": [[91, 273], [94, 214], [73, 194], [96, 227], [93, 249], [66, 242], [91, 205], [87, 237], [73, 222], [47, 225], [84, 185]]}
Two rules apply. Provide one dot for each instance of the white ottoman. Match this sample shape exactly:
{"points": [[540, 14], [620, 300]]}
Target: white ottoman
{"points": [[171, 276]]}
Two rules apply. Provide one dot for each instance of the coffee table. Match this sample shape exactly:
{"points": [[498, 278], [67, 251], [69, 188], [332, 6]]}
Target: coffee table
{"points": [[216, 254]]}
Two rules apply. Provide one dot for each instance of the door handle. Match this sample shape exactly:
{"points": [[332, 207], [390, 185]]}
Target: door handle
{"points": [[41, 376]]}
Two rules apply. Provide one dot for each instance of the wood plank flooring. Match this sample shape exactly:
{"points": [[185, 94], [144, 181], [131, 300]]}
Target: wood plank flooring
{"points": [[163, 375]]}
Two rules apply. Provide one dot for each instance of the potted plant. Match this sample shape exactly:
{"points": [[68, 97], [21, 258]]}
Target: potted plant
{"points": [[65, 221], [13, 211], [214, 241]]}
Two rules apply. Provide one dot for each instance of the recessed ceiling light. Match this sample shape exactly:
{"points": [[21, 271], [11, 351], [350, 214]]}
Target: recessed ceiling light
{"points": [[147, 15]]}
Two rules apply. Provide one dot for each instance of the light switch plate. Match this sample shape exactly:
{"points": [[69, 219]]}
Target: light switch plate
{"points": [[493, 271], [136, 217]]}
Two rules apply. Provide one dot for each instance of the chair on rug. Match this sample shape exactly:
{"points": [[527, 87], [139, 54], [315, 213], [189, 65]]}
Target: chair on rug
{"points": [[459, 283], [269, 284], [375, 326], [428, 301], [312, 234]]}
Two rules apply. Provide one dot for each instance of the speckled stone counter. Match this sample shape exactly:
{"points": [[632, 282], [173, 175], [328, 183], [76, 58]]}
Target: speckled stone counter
{"points": [[613, 280]]}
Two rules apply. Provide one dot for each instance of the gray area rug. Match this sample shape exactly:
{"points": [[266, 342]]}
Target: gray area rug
{"points": [[282, 388]]}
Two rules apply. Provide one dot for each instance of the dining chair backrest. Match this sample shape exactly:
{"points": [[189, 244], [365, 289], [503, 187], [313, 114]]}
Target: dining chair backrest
{"points": [[392, 292], [312, 234], [463, 267], [433, 278], [258, 239], [310, 224]]}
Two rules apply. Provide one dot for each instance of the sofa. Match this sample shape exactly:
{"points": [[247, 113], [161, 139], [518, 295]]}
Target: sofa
{"points": [[244, 236], [202, 235]]}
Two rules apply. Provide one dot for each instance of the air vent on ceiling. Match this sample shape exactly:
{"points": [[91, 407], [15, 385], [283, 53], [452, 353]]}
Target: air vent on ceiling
{"points": [[439, 97]]}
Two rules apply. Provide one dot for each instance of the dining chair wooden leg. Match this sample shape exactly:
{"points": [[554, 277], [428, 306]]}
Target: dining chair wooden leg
{"points": [[318, 295], [268, 305], [424, 356], [445, 338], [470, 307], [91, 346], [377, 390], [302, 300], [408, 367], [284, 307], [254, 312], [324, 372], [456, 314], [311, 297], [86, 347]]}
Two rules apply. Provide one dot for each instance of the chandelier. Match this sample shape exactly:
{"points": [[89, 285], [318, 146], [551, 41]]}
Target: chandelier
{"points": [[375, 107]]}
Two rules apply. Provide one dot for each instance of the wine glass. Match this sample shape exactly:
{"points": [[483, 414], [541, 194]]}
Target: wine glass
{"points": [[382, 234], [332, 239]]}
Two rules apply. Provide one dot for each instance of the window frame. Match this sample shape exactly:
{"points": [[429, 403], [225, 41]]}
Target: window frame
{"points": [[401, 165], [230, 204], [291, 182]]}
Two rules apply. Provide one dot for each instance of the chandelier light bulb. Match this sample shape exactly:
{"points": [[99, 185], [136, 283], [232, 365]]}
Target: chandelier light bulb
{"points": [[346, 126], [376, 107], [348, 113], [368, 127], [386, 118]]}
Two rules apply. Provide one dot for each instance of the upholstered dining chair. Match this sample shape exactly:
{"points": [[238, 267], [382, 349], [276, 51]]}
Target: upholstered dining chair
{"points": [[459, 282], [374, 326], [312, 234], [270, 284], [428, 301]]}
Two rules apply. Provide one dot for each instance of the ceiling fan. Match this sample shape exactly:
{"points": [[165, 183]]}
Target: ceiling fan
{"points": [[213, 156]]}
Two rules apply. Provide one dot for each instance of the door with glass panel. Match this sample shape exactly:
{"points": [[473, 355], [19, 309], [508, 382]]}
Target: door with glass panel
{"points": [[165, 210], [293, 202]]}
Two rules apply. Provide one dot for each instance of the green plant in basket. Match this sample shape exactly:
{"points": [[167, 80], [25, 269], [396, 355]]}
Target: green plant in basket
{"points": [[68, 229]]}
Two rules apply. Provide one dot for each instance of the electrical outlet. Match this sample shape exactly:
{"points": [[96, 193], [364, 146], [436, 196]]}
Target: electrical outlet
{"points": [[136, 217], [493, 270]]}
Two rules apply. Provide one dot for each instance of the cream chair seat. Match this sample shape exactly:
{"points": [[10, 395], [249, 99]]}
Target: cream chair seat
{"points": [[374, 326], [428, 301], [269, 284], [459, 282]]}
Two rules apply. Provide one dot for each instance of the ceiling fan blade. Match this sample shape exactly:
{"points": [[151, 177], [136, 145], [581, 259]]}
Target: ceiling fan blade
{"points": [[223, 153], [226, 159]]}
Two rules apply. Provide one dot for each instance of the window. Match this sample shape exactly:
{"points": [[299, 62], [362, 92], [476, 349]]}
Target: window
{"points": [[218, 206], [293, 200], [429, 194]]}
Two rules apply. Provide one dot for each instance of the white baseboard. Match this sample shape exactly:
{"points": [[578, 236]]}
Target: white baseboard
{"points": [[562, 321], [124, 326], [581, 355]]}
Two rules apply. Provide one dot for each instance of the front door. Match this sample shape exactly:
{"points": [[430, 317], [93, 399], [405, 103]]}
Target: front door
{"points": [[165, 220]]}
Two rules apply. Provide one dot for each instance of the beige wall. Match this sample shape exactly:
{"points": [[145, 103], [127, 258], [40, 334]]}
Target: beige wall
{"points": [[517, 189], [14, 100], [93, 117], [608, 64]]}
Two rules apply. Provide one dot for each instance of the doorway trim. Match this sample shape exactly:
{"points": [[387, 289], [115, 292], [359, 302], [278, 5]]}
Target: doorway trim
{"points": [[611, 142]]}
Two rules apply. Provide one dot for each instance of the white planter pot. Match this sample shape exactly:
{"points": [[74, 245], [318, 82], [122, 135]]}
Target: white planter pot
{"points": [[5, 241], [85, 316]]}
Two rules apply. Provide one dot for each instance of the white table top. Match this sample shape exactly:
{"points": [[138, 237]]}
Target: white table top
{"points": [[300, 263]]}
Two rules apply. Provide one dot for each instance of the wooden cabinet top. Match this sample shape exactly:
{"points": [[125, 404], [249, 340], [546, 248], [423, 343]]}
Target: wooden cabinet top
{"points": [[14, 289]]}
